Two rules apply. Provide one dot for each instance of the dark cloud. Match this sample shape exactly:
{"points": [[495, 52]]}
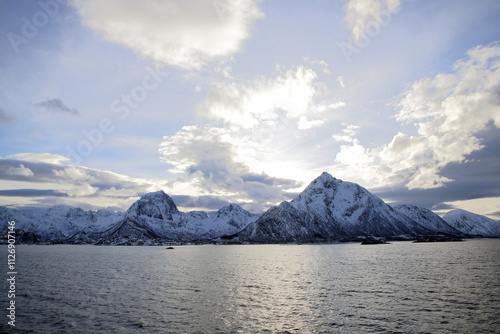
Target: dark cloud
{"points": [[32, 193], [56, 106]]}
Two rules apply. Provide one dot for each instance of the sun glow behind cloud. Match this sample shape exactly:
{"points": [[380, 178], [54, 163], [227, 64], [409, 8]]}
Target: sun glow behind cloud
{"points": [[252, 109]]}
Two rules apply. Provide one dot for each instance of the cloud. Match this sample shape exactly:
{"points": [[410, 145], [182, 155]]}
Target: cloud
{"points": [[32, 193], [340, 79], [56, 106], [187, 34], [19, 171], [40, 157], [448, 112], [260, 142], [347, 134], [208, 160], [305, 124], [364, 16], [290, 94], [37, 181]]}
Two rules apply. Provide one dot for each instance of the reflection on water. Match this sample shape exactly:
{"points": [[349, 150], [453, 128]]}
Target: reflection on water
{"points": [[341, 288]]}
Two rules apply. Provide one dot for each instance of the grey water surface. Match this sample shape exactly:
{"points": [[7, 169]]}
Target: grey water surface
{"points": [[403, 287]]}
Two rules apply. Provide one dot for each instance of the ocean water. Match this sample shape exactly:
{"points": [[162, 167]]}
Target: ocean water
{"points": [[401, 287]]}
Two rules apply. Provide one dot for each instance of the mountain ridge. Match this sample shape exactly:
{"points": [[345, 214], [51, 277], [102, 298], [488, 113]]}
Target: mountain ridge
{"points": [[327, 210]]}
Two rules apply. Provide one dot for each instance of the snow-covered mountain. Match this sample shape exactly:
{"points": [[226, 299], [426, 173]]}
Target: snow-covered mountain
{"points": [[427, 219], [58, 223], [328, 210], [472, 224], [228, 220], [153, 218]]}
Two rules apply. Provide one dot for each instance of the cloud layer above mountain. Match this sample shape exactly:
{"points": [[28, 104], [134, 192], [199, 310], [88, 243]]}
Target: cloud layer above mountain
{"points": [[186, 34]]}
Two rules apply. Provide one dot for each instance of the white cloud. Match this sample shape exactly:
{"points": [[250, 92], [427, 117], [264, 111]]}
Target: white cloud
{"points": [[355, 156], [209, 162], [19, 171], [186, 34], [55, 159], [448, 112], [365, 16], [340, 79], [81, 186], [290, 94], [271, 124], [347, 134], [305, 124]]}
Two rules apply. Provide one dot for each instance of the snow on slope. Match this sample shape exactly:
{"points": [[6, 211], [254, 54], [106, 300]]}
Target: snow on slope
{"points": [[227, 220], [155, 216], [59, 222], [427, 219], [330, 209], [472, 224]]}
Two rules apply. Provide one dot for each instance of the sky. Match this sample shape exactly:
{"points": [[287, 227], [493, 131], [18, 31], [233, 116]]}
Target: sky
{"points": [[246, 101]]}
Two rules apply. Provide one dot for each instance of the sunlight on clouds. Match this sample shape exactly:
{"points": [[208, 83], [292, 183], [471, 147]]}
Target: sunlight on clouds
{"points": [[211, 164], [289, 94], [269, 130], [447, 111], [305, 124], [186, 34], [355, 156]]}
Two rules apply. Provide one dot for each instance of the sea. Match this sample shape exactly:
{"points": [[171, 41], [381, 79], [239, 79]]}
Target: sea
{"points": [[401, 287]]}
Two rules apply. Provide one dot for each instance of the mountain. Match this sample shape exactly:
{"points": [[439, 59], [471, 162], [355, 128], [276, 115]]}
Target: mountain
{"points": [[472, 224], [56, 224], [330, 209], [427, 219], [153, 217], [227, 220], [327, 210]]}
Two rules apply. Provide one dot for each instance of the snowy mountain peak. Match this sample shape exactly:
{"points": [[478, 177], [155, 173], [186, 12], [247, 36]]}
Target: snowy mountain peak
{"points": [[230, 209], [326, 180], [154, 205], [330, 209]]}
